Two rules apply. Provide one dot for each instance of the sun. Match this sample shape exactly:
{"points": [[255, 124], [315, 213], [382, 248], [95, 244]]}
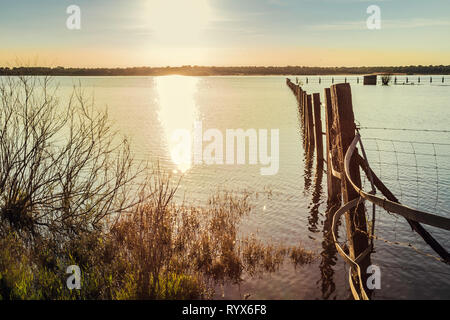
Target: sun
{"points": [[178, 20]]}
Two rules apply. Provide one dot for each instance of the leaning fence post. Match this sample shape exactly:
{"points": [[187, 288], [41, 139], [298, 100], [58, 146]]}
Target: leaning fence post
{"points": [[318, 130], [333, 183], [344, 126]]}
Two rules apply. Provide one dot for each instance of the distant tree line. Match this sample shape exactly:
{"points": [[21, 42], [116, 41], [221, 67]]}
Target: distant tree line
{"points": [[224, 71]]}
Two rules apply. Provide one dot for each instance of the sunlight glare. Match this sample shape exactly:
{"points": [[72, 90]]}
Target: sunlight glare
{"points": [[178, 20], [178, 111]]}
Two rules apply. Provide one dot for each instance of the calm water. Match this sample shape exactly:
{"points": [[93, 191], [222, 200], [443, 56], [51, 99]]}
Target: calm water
{"points": [[291, 205]]}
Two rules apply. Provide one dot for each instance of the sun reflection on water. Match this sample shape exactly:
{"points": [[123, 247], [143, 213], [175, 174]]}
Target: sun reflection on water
{"points": [[177, 111]]}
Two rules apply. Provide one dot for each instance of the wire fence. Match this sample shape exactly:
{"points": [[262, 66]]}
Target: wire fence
{"points": [[418, 172], [391, 204]]}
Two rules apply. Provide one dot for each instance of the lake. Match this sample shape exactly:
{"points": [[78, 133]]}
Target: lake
{"points": [[289, 207]]}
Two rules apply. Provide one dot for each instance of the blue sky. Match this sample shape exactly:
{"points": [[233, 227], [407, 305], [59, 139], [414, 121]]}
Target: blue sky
{"points": [[225, 32]]}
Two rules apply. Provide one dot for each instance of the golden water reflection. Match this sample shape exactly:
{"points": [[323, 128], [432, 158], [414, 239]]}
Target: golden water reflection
{"points": [[177, 114]]}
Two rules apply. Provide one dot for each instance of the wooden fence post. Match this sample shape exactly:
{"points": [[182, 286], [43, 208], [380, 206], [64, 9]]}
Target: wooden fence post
{"points": [[299, 94], [318, 130], [304, 114], [344, 126], [305, 120], [310, 124], [333, 183]]}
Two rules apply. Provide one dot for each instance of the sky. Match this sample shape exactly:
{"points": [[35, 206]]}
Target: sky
{"points": [[124, 33]]}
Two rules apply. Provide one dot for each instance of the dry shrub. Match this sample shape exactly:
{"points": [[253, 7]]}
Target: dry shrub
{"points": [[386, 79], [62, 168], [202, 243]]}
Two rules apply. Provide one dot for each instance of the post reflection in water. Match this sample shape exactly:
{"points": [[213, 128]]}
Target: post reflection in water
{"points": [[177, 113], [308, 170], [329, 253], [314, 206]]}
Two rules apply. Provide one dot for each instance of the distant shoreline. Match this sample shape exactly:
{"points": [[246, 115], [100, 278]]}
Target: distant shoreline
{"points": [[226, 71]]}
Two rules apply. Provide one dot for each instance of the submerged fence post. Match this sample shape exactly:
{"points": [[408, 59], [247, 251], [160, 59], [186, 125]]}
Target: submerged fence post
{"points": [[333, 183], [304, 98], [310, 124], [344, 126], [318, 130]]}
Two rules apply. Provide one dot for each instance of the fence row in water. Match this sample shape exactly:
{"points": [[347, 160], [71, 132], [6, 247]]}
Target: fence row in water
{"points": [[357, 79], [344, 179]]}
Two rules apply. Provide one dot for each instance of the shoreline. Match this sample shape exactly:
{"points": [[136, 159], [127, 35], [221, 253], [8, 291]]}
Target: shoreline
{"points": [[203, 71]]}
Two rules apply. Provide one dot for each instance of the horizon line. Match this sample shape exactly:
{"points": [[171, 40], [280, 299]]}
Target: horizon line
{"points": [[230, 66]]}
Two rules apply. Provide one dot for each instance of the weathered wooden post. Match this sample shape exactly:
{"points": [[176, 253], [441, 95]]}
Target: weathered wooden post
{"points": [[406, 79], [304, 125], [304, 98], [310, 123], [305, 120], [333, 183], [318, 130], [320, 80], [431, 79], [344, 126], [418, 80]]}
